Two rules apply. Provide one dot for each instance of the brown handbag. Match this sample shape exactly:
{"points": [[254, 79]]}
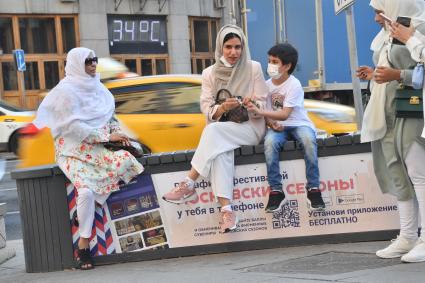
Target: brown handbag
{"points": [[238, 114]]}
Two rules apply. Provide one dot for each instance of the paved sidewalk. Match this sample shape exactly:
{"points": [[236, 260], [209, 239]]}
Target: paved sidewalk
{"points": [[353, 262]]}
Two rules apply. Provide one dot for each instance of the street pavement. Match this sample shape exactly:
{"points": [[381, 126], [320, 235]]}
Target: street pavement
{"points": [[9, 195], [353, 262]]}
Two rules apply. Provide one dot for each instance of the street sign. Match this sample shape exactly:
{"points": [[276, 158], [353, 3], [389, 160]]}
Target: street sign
{"points": [[340, 5], [19, 59]]}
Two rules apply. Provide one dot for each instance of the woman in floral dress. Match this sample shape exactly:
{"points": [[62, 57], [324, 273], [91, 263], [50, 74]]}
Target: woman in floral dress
{"points": [[79, 111]]}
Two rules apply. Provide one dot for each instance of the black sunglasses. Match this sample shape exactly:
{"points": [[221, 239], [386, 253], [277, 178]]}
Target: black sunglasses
{"points": [[90, 61]]}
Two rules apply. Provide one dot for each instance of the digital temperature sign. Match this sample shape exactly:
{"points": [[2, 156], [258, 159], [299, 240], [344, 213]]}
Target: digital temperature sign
{"points": [[137, 34]]}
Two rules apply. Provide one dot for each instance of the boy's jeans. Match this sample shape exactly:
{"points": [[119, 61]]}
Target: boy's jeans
{"points": [[273, 144]]}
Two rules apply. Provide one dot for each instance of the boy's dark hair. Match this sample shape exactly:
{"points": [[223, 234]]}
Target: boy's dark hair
{"points": [[231, 35], [286, 53]]}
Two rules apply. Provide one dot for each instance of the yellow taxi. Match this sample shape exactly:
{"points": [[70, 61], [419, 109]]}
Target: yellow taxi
{"points": [[162, 113], [11, 120]]}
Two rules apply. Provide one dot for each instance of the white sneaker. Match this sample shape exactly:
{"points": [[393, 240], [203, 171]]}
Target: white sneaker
{"points": [[417, 254], [397, 248]]}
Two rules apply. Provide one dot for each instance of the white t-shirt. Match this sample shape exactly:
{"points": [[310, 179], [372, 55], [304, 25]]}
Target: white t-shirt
{"points": [[289, 94]]}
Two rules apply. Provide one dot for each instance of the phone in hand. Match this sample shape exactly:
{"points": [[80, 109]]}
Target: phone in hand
{"points": [[405, 21], [385, 17]]}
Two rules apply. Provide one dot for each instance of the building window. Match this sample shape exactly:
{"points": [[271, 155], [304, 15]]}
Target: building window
{"points": [[203, 32], [145, 65], [51, 74], [69, 39], [6, 36], [37, 35], [45, 40], [9, 77]]}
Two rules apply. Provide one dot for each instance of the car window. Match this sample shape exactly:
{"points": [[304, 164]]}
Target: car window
{"points": [[10, 107], [158, 98]]}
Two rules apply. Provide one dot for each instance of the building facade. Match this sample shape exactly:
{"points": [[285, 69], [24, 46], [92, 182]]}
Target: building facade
{"points": [[149, 36]]}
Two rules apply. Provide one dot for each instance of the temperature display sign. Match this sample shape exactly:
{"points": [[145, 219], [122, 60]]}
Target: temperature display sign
{"points": [[137, 34]]}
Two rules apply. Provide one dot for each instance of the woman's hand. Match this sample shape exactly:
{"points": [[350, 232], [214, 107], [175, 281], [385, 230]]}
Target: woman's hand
{"points": [[230, 104], [386, 74], [115, 137], [364, 73], [401, 32]]}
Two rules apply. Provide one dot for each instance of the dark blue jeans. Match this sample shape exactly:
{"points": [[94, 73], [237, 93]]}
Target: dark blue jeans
{"points": [[273, 144]]}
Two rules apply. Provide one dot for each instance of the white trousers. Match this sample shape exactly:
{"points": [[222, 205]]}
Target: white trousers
{"points": [[85, 210], [409, 210], [214, 157]]}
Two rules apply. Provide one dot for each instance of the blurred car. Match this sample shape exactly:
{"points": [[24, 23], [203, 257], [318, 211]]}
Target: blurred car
{"points": [[162, 113], [11, 120]]}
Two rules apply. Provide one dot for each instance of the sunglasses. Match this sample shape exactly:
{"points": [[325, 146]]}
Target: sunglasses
{"points": [[90, 61]]}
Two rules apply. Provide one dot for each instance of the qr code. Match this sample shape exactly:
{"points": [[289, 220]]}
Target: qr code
{"points": [[287, 216]]}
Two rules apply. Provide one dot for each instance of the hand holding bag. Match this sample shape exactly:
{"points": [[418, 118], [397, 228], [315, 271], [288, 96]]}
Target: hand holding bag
{"points": [[134, 148], [238, 114]]}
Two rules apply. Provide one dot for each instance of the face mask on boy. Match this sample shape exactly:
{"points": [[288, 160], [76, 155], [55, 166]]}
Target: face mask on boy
{"points": [[225, 63], [273, 71]]}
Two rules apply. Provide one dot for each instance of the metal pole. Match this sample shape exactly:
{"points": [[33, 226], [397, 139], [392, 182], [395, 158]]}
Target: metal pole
{"points": [[22, 79], [232, 12], [244, 12], [320, 45], [279, 21], [351, 32], [283, 32]]}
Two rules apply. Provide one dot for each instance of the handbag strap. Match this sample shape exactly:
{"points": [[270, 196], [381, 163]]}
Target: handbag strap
{"points": [[229, 95]]}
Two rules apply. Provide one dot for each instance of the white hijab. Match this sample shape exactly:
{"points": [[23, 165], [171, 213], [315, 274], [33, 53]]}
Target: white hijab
{"points": [[79, 103], [238, 77], [414, 9]]}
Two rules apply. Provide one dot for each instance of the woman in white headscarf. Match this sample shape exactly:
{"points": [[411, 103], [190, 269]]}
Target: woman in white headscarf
{"points": [[415, 42], [79, 112], [392, 138], [214, 157]]}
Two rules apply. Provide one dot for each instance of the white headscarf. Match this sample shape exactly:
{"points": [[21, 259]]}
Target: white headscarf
{"points": [[237, 78], [79, 103], [414, 9], [374, 125]]}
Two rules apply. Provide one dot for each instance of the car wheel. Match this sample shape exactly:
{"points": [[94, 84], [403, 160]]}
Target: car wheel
{"points": [[13, 143]]}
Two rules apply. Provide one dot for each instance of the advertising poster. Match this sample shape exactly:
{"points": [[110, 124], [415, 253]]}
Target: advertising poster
{"points": [[130, 220], [137, 218], [354, 203]]}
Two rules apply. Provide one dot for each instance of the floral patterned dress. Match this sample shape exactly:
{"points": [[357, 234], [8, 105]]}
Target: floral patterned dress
{"points": [[90, 165]]}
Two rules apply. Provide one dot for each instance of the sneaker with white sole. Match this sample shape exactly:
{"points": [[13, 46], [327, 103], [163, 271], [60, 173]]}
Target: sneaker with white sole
{"points": [[276, 201], [417, 254], [180, 194], [397, 248], [229, 221]]}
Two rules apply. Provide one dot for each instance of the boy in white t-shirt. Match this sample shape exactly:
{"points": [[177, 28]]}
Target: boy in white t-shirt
{"points": [[287, 119]]}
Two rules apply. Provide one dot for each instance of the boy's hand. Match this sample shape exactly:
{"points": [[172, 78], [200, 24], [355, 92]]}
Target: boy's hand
{"points": [[274, 125], [364, 73], [253, 108]]}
